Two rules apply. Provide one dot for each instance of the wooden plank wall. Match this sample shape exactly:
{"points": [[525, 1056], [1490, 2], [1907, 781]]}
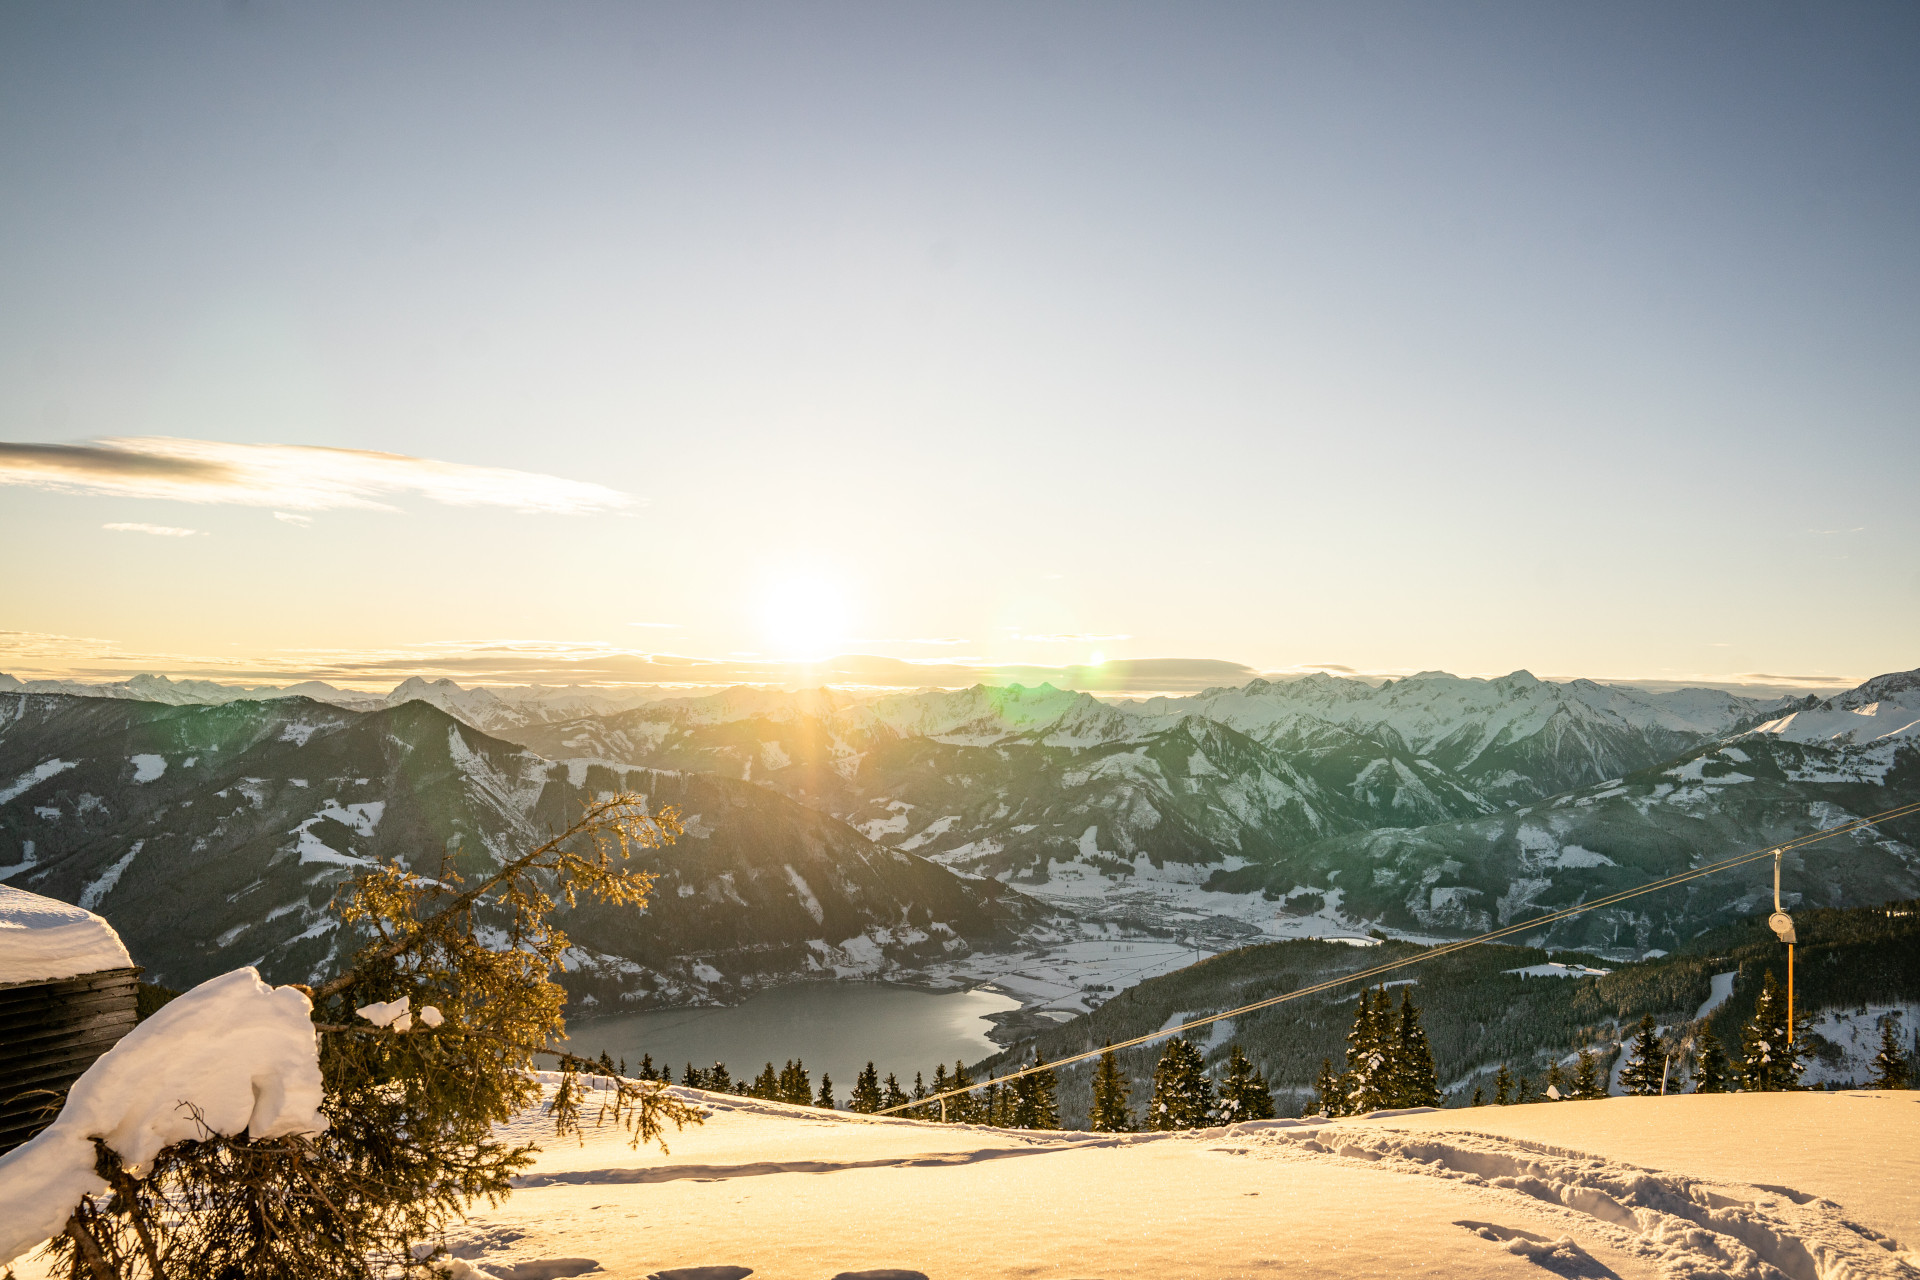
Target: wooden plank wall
{"points": [[51, 1032]]}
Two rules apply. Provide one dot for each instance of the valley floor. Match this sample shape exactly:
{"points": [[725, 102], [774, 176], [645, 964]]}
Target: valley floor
{"points": [[1811, 1186]]}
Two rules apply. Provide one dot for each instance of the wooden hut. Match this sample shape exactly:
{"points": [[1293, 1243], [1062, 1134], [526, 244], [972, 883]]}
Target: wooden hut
{"points": [[68, 991]]}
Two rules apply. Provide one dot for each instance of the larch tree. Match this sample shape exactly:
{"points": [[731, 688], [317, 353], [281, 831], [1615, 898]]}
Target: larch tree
{"points": [[1890, 1067], [1769, 1061], [1182, 1093], [1109, 1112], [1646, 1071], [1244, 1093]]}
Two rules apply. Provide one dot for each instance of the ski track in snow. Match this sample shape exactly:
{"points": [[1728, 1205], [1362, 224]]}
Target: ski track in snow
{"points": [[1674, 1224]]}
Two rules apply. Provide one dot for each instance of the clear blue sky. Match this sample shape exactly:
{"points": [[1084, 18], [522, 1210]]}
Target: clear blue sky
{"points": [[1584, 338]]}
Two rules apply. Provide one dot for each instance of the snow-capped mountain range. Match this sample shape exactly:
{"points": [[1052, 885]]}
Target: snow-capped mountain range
{"points": [[1433, 805]]}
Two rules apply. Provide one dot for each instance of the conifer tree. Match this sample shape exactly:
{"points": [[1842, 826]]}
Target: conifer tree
{"points": [[1558, 1086], [1890, 1067], [939, 1085], [1589, 1081], [1367, 1082], [866, 1097], [894, 1096], [1711, 1070], [1182, 1093], [1522, 1091], [921, 1093], [694, 1079], [1244, 1094], [825, 1100], [1110, 1113], [965, 1108], [1769, 1063], [796, 1084], [1503, 1087], [1326, 1088], [1479, 1097], [998, 1105], [1646, 1069], [1040, 1105], [766, 1085], [646, 1071], [414, 1112], [718, 1079], [1414, 1081]]}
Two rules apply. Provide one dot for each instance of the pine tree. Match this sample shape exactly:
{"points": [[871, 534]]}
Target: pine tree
{"points": [[1366, 1084], [1110, 1113], [1503, 1087], [1646, 1069], [414, 1113], [866, 1097], [1244, 1094], [942, 1110], [1589, 1081], [1326, 1088], [965, 1108], [921, 1093], [1182, 1094], [718, 1079], [1711, 1070], [1558, 1087], [825, 1100], [766, 1085], [1041, 1104], [1890, 1068], [1769, 1062], [1522, 1091], [1414, 1081], [894, 1096], [998, 1105], [796, 1084], [646, 1071], [694, 1079], [1479, 1097]]}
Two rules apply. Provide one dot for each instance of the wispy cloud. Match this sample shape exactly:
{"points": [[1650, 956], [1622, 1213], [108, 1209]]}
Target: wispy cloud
{"points": [[157, 530], [290, 518], [291, 477]]}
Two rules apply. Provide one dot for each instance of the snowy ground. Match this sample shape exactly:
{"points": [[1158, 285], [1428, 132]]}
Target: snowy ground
{"points": [[1809, 1186]]}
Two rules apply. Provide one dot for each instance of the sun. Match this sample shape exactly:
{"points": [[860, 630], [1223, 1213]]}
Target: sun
{"points": [[805, 619]]}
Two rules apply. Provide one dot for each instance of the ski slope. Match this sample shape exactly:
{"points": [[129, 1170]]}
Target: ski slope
{"points": [[1808, 1186]]}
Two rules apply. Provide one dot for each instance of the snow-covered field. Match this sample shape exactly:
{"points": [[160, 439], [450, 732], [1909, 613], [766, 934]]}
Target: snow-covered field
{"points": [[1811, 1186]]}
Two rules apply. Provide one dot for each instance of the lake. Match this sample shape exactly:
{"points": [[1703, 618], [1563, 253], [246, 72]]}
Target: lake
{"points": [[836, 1026]]}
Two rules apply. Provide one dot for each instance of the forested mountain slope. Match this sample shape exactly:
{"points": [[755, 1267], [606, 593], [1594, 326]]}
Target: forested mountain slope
{"points": [[1479, 1012], [214, 836]]}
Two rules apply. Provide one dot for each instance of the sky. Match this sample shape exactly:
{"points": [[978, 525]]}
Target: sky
{"points": [[617, 343]]}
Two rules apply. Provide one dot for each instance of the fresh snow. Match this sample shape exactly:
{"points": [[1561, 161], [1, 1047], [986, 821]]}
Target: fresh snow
{"points": [[233, 1054], [147, 767], [1812, 1186], [42, 940], [1718, 993], [91, 896]]}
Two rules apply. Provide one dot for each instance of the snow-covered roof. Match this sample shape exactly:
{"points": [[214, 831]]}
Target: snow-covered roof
{"points": [[44, 940]]}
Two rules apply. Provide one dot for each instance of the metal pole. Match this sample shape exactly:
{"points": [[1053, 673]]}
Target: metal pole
{"points": [[1789, 993], [1666, 1064]]}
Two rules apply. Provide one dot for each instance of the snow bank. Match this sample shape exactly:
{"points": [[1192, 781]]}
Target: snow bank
{"points": [[42, 940], [241, 1054]]}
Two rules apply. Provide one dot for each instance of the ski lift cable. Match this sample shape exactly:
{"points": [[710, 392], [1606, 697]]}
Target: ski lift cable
{"points": [[1552, 917]]}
